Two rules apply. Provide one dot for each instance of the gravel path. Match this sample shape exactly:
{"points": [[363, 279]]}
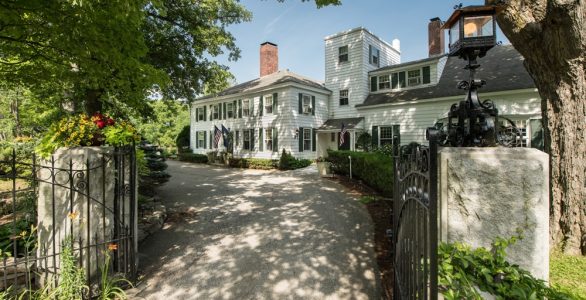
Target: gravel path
{"points": [[249, 234]]}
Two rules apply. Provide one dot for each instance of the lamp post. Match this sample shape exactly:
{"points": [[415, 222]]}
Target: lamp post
{"points": [[472, 122]]}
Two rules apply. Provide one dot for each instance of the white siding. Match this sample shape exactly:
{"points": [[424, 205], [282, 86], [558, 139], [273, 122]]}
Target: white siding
{"points": [[416, 117]]}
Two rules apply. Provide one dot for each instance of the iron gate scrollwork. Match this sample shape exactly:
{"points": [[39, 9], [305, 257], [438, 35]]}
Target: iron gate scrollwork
{"points": [[415, 234]]}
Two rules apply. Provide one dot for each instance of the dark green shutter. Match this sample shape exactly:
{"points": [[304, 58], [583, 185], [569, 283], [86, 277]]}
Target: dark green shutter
{"points": [[204, 140], [211, 112], [396, 138], [234, 113], [375, 136], [197, 114], [300, 138], [275, 140], [205, 113], [394, 81], [313, 139], [300, 103], [275, 102], [373, 84], [260, 108], [260, 146], [211, 139], [251, 139], [369, 54], [239, 108], [426, 75], [377, 58], [196, 140], [402, 82], [224, 111], [313, 105]]}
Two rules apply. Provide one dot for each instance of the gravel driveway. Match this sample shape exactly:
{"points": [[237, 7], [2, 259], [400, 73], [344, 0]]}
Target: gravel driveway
{"points": [[250, 234]]}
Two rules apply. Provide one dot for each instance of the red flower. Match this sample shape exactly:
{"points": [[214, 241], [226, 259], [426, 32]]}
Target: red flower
{"points": [[100, 123], [110, 122]]}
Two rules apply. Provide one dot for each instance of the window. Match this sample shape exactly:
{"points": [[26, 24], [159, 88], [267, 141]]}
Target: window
{"points": [[200, 139], [414, 77], [374, 56], [520, 133], [343, 54], [390, 135], [247, 139], [200, 114], [384, 82], [246, 107], [306, 104], [237, 138], [269, 104], [269, 139], [333, 137], [216, 112], [306, 139], [343, 97], [230, 110]]}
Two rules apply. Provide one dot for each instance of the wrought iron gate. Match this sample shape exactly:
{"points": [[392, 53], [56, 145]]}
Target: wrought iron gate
{"points": [[89, 203], [415, 233]]}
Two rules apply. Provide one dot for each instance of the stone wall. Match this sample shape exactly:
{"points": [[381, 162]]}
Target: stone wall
{"points": [[486, 193], [65, 209]]}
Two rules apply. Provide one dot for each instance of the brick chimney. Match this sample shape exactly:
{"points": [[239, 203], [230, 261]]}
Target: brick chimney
{"points": [[269, 58], [435, 37]]}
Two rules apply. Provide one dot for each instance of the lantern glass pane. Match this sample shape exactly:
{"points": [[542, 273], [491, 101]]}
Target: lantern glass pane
{"points": [[478, 26], [455, 32]]}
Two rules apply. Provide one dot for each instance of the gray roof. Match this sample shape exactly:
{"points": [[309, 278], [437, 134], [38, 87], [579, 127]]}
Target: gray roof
{"points": [[279, 77], [413, 62], [502, 68], [336, 124]]}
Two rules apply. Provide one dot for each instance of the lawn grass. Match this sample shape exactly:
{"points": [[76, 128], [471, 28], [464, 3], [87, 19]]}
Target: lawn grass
{"points": [[6, 185], [568, 274]]}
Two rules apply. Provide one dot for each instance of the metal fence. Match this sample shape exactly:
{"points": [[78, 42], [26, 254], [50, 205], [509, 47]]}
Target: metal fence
{"points": [[415, 222], [88, 200]]}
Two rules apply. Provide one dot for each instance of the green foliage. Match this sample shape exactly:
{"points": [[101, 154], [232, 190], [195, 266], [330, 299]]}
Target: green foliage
{"points": [[462, 268], [72, 277], [288, 162], [387, 150], [110, 287], [375, 169], [364, 141], [182, 140], [168, 119], [367, 199], [253, 163], [567, 273], [192, 157]]}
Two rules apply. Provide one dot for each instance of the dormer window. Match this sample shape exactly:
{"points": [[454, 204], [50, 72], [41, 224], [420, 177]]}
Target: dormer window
{"points": [[414, 77], [384, 82], [343, 54], [401, 79]]}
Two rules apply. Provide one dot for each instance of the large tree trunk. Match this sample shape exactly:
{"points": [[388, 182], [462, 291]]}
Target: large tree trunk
{"points": [[92, 101], [551, 35]]}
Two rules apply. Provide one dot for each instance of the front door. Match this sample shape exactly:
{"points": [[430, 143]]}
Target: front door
{"points": [[346, 144]]}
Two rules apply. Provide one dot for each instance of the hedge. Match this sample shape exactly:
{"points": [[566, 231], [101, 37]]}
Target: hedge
{"points": [[374, 169], [192, 157], [253, 163]]}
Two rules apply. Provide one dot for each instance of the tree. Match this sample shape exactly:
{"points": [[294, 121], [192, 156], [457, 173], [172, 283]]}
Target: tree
{"points": [[551, 36], [168, 119], [111, 54]]}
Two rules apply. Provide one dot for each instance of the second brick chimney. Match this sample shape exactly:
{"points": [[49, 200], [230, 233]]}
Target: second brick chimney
{"points": [[269, 58], [435, 37]]}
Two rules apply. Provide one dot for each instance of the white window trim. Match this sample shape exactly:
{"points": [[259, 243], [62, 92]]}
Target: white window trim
{"points": [[266, 102], [268, 137], [229, 110], [245, 108], [419, 78], [307, 109], [347, 54], [216, 111], [246, 134], [304, 139], [407, 86], [392, 136], [387, 81], [200, 140], [347, 97]]}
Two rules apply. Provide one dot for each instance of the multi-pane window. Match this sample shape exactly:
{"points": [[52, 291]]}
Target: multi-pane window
{"points": [[519, 131], [384, 82], [269, 139], [374, 56], [230, 110], [390, 135], [200, 139], [269, 104], [306, 139], [200, 114], [414, 77], [246, 107], [306, 104], [343, 97], [246, 145], [216, 112], [343, 54]]}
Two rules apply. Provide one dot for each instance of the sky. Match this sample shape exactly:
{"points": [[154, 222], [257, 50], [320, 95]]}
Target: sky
{"points": [[299, 28]]}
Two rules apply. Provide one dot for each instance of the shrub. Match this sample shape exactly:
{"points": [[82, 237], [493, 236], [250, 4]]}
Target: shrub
{"points": [[288, 162], [192, 157], [375, 169], [182, 140], [364, 141], [253, 163]]}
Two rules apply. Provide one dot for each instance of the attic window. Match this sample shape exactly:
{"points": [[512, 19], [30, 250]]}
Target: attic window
{"points": [[414, 77], [343, 54], [384, 82]]}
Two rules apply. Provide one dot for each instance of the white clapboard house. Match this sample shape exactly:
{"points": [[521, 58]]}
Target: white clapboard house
{"points": [[367, 89]]}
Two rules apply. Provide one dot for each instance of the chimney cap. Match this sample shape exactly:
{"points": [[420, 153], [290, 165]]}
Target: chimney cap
{"points": [[267, 42], [435, 19]]}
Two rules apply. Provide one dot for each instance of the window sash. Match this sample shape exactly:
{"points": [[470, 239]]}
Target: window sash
{"points": [[414, 77], [306, 104], [384, 82], [200, 139], [343, 54], [343, 97], [200, 114], [386, 135], [269, 104], [269, 139], [306, 139], [216, 112], [230, 110], [246, 142], [246, 108]]}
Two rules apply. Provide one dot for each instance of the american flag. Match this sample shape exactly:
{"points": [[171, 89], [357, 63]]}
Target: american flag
{"points": [[217, 136], [342, 133]]}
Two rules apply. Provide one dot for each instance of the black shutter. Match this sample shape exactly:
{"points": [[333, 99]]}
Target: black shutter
{"points": [[313, 139], [211, 112], [395, 81], [426, 75], [260, 146], [260, 108], [374, 136], [239, 108], [234, 113], [251, 139], [275, 140], [402, 82], [377, 58], [275, 103], [204, 140], [197, 114], [205, 113], [211, 139], [224, 111], [369, 54], [373, 84], [300, 103], [196, 140], [396, 138], [313, 105], [300, 138]]}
